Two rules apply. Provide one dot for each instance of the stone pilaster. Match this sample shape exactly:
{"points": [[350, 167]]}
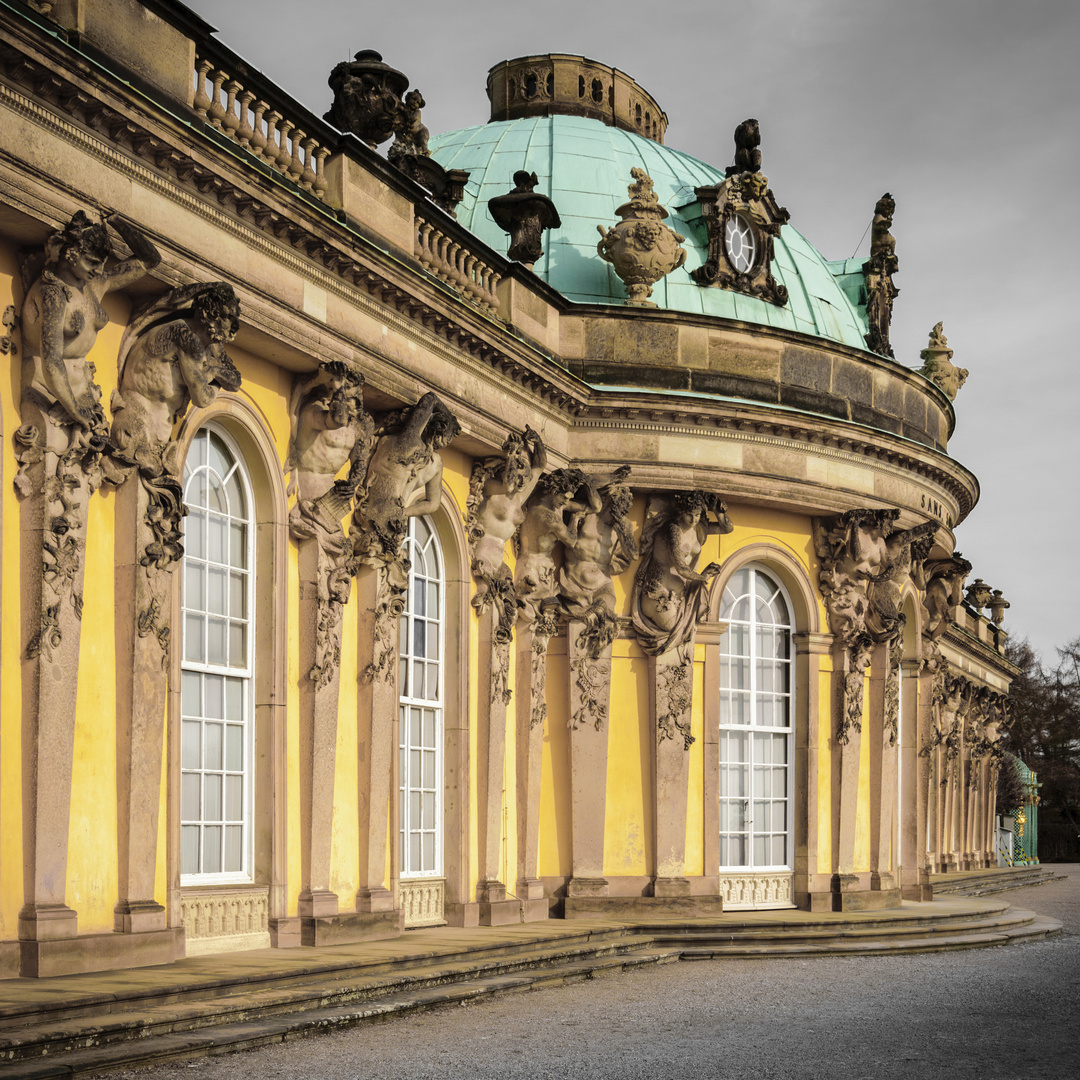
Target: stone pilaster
{"points": [[671, 678], [911, 828], [883, 721], [494, 697], [531, 715], [589, 694], [848, 683]]}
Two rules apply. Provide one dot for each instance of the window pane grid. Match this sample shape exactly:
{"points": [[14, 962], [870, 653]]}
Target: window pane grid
{"points": [[421, 714], [215, 738], [755, 723]]}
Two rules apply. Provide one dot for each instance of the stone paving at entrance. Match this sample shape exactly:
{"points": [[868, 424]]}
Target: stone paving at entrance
{"points": [[991, 1014]]}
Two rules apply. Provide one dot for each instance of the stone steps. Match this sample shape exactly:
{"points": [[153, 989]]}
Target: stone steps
{"points": [[161, 1033], [82, 1025], [1023, 926], [991, 882]]}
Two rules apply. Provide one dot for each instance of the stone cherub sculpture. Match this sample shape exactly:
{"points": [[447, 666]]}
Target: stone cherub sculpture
{"points": [[404, 478], [62, 315], [498, 490], [411, 135], [938, 366], [747, 152], [879, 270], [554, 515], [670, 594]]}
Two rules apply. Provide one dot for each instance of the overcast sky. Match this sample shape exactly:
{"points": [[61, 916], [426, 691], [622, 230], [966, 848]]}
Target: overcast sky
{"points": [[967, 111]]}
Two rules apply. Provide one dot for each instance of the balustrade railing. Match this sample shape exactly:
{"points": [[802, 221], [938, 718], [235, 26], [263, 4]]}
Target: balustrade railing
{"points": [[257, 125], [452, 262]]}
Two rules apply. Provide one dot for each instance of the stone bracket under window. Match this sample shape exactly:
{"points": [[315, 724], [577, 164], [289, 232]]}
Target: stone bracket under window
{"points": [[743, 218]]}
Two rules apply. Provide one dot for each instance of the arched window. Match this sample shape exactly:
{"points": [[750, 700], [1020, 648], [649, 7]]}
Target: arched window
{"points": [[755, 723], [421, 716], [216, 664]]}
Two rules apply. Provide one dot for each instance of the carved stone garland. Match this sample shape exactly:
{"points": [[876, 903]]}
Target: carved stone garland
{"points": [[743, 202]]}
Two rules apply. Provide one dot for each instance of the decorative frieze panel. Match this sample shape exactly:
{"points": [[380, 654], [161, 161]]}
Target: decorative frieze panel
{"points": [[423, 902], [227, 920], [743, 892]]}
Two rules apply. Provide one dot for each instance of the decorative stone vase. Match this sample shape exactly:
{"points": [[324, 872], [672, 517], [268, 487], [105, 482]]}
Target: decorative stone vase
{"points": [[640, 248], [938, 366]]}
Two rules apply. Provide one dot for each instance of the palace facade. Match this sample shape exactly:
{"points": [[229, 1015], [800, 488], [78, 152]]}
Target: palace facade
{"points": [[528, 523]]}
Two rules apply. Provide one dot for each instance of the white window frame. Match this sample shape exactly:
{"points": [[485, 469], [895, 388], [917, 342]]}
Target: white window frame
{"points": [[246, 673], [407, 703], [751, 729]]}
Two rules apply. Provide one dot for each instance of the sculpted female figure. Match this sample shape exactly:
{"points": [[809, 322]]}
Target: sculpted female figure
{"points": [[670, 595], [62, 315]]}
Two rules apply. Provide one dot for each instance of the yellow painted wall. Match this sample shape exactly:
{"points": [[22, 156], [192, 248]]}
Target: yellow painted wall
{"points": [[628, 819], [11, 850], [556, 824]]}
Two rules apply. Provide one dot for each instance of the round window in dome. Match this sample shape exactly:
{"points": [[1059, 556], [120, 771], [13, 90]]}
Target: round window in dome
{"points": [[739, 243]]}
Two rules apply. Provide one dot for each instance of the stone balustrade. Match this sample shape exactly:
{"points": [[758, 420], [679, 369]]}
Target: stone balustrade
{"points": [[259, 127], [451, 262]]}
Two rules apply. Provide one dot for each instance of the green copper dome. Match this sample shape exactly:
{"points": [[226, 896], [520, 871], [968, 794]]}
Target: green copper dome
{"points": [[584, 166]]}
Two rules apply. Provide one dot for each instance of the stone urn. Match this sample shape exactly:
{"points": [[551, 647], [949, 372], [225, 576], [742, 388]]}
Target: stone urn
{"points": [[640, 248]]}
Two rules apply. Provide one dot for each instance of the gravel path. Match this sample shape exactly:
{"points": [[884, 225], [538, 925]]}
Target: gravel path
{"points": [[994, 1014]]}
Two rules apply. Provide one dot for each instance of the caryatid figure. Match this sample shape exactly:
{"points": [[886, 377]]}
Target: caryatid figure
{"points": [[63, 313], [329, 429], [670, 594], [554, 515], [498, 491], [404, 477], [604, 548]]}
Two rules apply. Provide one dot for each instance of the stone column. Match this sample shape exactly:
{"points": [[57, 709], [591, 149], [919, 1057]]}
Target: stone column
{"points": [[531, 713], [590, 694], [671, 677], [494, 697]]}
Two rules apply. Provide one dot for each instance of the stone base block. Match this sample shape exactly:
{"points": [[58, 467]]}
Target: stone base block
{"points": [[351, 926], [370, 901], [462, 914], [138, 916], [866, 900], [668, 887], [535, 910], [922, 893], [284, 933], [501, 912], [814, 901], [579, 886], [642, 907], [100, 952], [9, 959]]}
